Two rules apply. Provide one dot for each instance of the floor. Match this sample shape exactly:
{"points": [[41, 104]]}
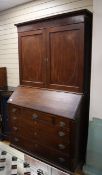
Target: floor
{"points": [[14, 162]]}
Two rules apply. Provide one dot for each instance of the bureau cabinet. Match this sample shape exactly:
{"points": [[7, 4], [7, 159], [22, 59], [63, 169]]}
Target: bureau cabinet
{"points": [[48, 112]]}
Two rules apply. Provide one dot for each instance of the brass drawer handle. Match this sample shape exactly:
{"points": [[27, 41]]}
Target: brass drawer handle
{"points": [[61, 159], [15, 128], [16, 139], [61, 146], [14, 110], [61, 133], [34, 116], [62, 124], [14, 118], [35, 133]]}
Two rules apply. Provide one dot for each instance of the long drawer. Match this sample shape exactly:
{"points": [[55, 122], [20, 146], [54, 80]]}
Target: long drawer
{"points": [[43, 151], [29, 115]]}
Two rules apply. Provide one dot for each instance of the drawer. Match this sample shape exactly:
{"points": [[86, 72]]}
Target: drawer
{"points": [[41, 151], [61, 145], [34, 116], [51, 154], [22, 142], [63, 123], [14, 110], [52, 130], [14, 113]]}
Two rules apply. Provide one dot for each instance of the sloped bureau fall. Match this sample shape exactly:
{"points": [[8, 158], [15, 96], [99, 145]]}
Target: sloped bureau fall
{"points": [[48, 112]]}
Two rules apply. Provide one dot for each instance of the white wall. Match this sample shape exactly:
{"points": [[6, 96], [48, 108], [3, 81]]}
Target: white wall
{"points": [[30, 11], [96, 77]]}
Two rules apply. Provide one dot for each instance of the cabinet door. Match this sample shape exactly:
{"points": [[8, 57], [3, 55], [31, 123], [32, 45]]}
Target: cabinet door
{"points": [[65, 57], [32, 55]]}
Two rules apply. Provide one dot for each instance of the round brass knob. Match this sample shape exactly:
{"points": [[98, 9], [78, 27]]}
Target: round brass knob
{"points": [[14, 118], [16, 139], [61, 133], [14, 110], [34, 116], [62, 124], [15, 128], [35, 133], [61, 146]]}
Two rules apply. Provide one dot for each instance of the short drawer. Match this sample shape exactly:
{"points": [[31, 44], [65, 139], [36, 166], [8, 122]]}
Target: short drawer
{"points": [[14, 115], [62, 121], [36, 116], [22, 143], [14, 110]]}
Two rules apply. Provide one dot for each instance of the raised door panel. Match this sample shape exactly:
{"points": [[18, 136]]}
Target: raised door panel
{"points": [[32, 55], [65, 57]]}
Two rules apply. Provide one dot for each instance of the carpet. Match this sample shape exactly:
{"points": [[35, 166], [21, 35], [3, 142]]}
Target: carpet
{"points": [[12, 165]]}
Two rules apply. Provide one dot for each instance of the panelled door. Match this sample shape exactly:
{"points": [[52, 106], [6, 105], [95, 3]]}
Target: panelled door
{"points": [[65, 46], [32, 57], [53, 57]]}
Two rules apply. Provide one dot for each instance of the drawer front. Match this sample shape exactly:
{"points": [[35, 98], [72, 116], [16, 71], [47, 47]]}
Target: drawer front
{"points": [[53, 142], [22, 142], [36, 116], [14, 111], [14, 115], [63, 123], [41, 151], [50, 154], [54, 137]]}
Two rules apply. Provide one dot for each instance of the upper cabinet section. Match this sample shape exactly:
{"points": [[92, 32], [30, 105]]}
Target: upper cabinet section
{"points": [[55, 52]]}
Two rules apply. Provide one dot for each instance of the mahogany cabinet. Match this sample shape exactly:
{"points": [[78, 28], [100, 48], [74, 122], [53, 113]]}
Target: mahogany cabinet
{"points": [[48, 112]]}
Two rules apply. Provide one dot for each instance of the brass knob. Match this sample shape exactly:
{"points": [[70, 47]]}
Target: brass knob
{"points": [[61, 133], [16, 139], [34, 116], [61, 146], [61, 159], [14, 110], [15, 128], [14, 118], [35, 133], [62, 124]]}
